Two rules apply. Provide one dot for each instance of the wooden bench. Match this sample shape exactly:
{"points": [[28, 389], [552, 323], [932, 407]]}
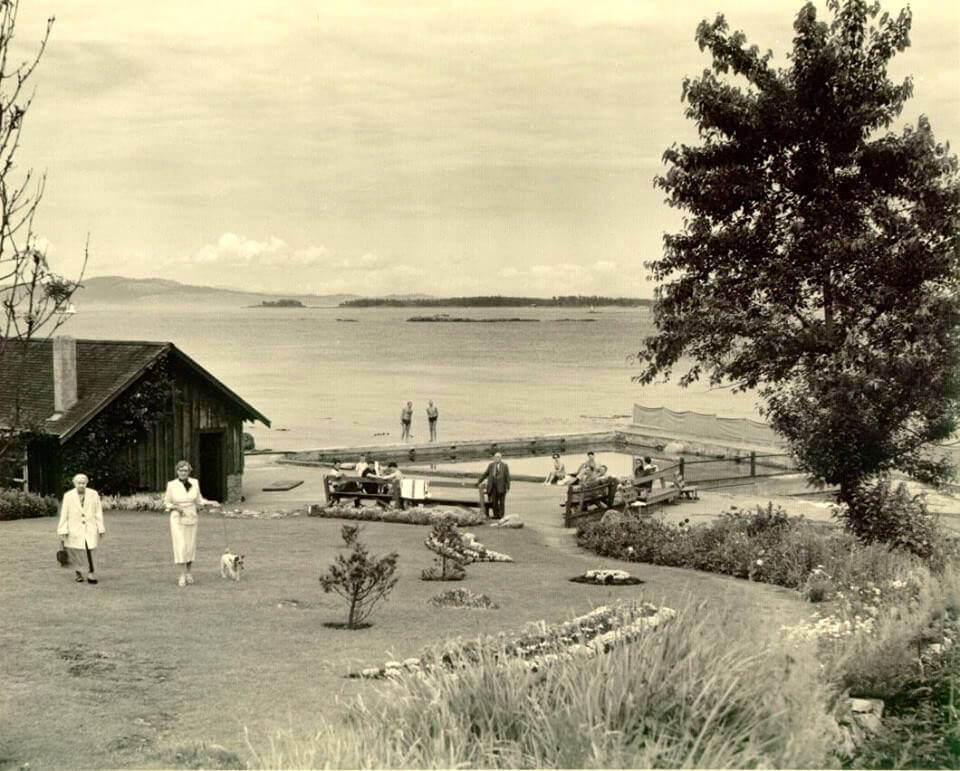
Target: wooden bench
{"points": [[357, 489], [586, 502], [383, 492], [644, 503]]}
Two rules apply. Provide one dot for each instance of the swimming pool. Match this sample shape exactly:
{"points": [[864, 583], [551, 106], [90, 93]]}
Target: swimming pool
{"points": [[620, 464]]}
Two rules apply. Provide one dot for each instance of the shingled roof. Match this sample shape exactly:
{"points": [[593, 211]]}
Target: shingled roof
{"points": [[105, 369]]}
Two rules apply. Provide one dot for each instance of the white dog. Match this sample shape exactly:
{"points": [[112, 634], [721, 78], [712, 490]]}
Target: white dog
{"points": [[230, 565]]}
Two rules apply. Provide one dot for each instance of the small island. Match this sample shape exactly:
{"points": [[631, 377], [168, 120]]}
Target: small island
{"points": [[280, 304]]}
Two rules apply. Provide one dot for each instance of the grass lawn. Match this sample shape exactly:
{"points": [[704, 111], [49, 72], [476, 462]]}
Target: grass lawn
{"points": [[124, 673]]}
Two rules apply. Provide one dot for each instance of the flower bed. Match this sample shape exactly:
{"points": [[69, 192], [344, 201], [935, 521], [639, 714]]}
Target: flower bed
{"points": [[854, 608], [602, 577], [257, 513], [463, 598], [469, 550], [589, 635], [154, 502], [418, 515], [139, 502]]}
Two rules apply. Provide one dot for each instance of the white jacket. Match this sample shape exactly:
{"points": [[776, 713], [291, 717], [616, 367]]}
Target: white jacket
{"points": [[178, 498], [81, 525]]}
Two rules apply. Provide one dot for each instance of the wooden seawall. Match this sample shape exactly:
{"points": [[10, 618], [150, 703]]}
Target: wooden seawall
{"points": [[472, 449]]}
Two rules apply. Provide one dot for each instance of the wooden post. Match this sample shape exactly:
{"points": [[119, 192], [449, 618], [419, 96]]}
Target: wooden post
{"points": [[681, 467], [753, 463]]}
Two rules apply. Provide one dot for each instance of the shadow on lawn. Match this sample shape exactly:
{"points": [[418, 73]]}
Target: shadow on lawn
{"points": [[343, 625]]}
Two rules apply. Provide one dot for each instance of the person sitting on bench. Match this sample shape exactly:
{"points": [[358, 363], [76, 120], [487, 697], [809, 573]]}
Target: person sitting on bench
{"points": [[361, 466], [386, 478], [648, 467], [585, 470], [392, 472], [337, 482], [335, 475], [589, 475]]}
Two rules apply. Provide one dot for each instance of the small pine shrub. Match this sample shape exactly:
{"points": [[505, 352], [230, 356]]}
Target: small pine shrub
{"points": [[360, 579], [16, 504]]}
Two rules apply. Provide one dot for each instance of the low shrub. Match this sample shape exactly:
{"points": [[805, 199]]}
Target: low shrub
{"points": [[878, 512], [761, 545], [16, 504], [452, 572]]}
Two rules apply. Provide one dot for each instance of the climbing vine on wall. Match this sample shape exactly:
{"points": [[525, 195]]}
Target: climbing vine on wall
{"points": [[99, 448]]}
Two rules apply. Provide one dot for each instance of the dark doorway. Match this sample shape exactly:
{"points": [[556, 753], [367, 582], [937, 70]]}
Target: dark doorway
{"points": [[212, 473]]}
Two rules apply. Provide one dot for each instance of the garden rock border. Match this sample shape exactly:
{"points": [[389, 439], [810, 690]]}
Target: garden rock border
{"points": [[592, 634]]}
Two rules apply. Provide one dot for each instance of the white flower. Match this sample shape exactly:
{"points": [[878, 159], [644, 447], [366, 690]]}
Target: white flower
{"points": [[759, 562]]}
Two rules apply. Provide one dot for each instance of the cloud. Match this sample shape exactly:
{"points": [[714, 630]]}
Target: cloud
{"points": [[233, 249], [274, 265]]}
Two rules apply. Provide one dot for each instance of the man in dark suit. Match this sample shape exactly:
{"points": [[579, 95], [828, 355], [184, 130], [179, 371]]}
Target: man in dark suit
{"points": [[497, 477]]}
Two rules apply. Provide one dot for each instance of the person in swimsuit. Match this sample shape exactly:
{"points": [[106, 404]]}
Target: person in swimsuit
{"points": [[432, 414], [557, 473], [406, 417]]}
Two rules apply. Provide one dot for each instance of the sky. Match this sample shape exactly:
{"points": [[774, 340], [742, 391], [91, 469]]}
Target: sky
{"points": [[447, 148]]}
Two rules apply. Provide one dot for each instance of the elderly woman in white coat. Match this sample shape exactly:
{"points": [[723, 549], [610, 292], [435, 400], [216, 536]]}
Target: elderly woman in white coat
{"points": [[182, 499], [81, 527]]}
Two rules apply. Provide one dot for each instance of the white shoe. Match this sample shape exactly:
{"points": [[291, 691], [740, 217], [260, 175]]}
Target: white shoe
{"points": [[182, 581], [189, 578]]}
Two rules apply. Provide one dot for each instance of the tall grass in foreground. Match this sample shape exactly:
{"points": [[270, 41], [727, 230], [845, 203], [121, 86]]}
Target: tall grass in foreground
{"points": [[681, 696], [920, 688]]}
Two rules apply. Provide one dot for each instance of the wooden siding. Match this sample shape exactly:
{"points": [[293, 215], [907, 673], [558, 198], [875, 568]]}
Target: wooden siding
{"points": [[198, 407]]}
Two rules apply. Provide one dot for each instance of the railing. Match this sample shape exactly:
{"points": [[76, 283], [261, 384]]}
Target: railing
{"points": [[746, 466]]}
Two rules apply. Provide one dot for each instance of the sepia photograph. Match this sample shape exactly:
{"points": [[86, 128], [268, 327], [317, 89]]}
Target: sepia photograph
{"points": [[479, 384]]}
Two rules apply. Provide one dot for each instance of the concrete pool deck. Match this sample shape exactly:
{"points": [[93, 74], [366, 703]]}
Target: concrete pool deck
{"points": [[540, 506]]}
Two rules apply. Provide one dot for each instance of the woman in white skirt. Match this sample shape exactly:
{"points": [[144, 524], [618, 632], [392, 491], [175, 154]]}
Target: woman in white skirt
{"points": [[182, 500]]}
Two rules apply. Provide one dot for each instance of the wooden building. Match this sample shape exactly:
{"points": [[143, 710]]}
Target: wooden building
{"points": [[62, 385]]}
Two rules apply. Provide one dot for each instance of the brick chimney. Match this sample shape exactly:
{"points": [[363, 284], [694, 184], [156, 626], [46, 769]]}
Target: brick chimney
{"points": [[64, 373]]}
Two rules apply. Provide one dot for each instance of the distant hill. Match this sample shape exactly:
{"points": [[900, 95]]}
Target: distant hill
{"points": [[117, 290]]}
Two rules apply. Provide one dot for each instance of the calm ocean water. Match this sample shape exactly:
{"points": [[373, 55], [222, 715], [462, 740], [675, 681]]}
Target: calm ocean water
{"points": [[324, 382]]}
